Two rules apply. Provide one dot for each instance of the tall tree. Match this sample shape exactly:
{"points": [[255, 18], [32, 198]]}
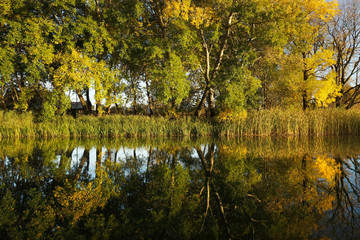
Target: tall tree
{"points": [[299, 73], [308, 42], [27, 52], [344, 33]]}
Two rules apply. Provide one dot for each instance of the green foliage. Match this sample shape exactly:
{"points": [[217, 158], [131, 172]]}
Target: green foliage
{"points": [[180, 51], [241, 91], [55, 104], [8, 215], [171, 83]]}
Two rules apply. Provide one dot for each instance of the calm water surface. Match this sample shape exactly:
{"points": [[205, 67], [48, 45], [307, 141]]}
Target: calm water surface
{"points": [[180, 189]]}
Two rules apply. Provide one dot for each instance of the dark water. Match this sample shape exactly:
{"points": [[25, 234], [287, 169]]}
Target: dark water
{"points": [[180, 189]]}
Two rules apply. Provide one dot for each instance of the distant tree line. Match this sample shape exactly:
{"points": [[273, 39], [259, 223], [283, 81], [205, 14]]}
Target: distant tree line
{"points": [[204, 56]]}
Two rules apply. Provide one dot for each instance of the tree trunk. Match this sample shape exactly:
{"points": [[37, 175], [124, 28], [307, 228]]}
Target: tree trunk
{"points": [[109, 154], [82, 100], [88, 102], [148, 94], [98, 109], [305, 78], [305, 180], [124, 108], [304, 101], [147, 176], [2, 98], [211, 102], [98, 162], [83, 159], [264, 94], [337, 101], [117, 108], [135, 103], [201, 104]]}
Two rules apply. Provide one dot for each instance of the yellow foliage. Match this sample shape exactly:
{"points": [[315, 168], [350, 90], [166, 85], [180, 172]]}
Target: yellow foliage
{"points": [[5, 7], [323, 58], [327, 92], [171, 113], [177, 8], [230, 115], [320, 180], [326, 169], [325, 203], [187, 11], [75, 69], [324, 10], [83, 199], [78, 71], [202, 16], [236, 151]]}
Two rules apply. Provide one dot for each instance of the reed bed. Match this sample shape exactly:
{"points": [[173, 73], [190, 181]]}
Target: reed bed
{"points": [[17, 125], [274, 122], [278, 122]]}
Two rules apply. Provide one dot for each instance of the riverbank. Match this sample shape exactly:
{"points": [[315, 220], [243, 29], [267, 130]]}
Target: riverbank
{"points": [[275, 122]]}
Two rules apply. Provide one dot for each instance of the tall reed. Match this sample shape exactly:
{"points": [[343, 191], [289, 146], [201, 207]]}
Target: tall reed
{"points": [[16, 125], [274, 122], [318, 122]]}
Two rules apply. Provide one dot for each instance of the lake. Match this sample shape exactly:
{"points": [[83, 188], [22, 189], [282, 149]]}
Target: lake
{"points": [[172, 188]]}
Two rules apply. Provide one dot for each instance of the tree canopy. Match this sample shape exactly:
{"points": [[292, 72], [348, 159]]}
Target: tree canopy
{"points": [[161, 56]]}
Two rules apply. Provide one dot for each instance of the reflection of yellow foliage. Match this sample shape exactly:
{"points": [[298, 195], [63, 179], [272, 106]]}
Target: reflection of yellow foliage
{"points": [[82, 200], [319, 181], [327, 169], [295, 176], [325, 203], [236, 151]]}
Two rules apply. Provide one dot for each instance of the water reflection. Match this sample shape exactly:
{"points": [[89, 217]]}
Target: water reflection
{"points": [[180, 189]]}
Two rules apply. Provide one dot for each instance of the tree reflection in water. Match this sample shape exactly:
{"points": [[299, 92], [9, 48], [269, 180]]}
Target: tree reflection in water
{"points": [[177, 189]]}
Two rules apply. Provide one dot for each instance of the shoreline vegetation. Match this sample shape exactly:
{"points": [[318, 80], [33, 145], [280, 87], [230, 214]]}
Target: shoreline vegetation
{"points": [[204, 57], [273, 122]]}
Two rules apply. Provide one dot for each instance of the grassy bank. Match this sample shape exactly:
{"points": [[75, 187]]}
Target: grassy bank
{"points": [[320, 122]]}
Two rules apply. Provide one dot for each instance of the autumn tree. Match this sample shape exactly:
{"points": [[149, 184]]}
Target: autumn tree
{"points": [[308, 42], [344, 34], [217, 25], [299, 73]]}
